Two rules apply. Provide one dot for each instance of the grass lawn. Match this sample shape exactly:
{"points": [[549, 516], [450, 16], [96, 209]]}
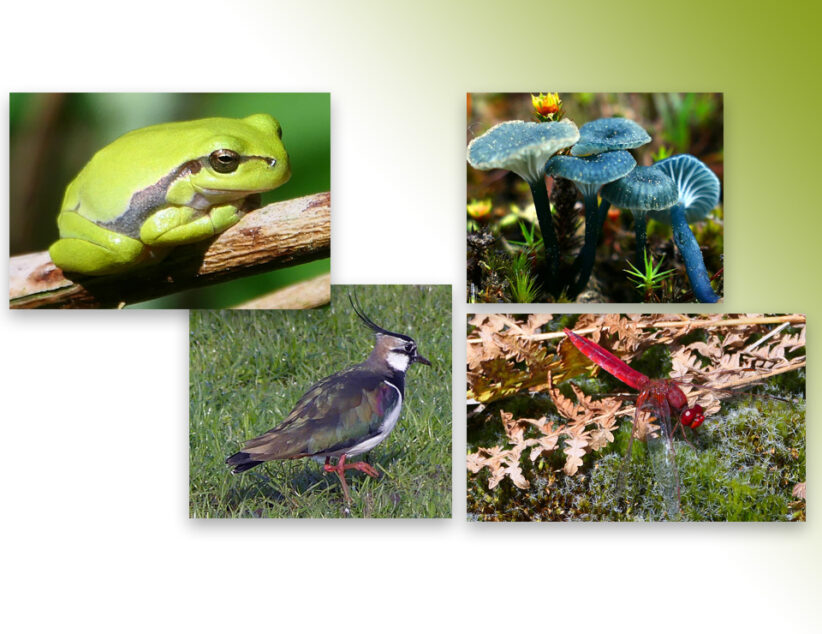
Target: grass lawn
{"points": [[249, 368]]}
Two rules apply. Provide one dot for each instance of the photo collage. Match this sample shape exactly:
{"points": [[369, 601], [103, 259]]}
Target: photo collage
{"points": [[602, 380]]}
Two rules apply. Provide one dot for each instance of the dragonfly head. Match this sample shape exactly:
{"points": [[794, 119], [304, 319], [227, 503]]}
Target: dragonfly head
{"points": [[692, 417]]}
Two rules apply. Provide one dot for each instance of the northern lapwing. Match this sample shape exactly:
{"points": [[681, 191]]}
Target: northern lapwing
{"points": [[345, 414]]}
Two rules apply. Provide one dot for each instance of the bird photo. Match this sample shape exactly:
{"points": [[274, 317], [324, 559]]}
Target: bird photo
{"points": [[269, 388], [344, 414]]}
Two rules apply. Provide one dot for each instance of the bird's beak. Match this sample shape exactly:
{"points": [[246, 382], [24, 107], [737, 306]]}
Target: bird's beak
{"points": [[420, 359]]}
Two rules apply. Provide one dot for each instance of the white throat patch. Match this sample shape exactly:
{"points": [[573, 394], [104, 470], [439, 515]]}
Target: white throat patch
{"points": [[398, 361]]}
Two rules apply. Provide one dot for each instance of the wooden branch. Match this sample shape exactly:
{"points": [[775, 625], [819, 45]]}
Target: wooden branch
{"points": [[308, 294], [279, 235]]}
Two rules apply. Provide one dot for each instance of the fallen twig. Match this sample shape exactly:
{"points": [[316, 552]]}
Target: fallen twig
{"points": [[308, 294]]}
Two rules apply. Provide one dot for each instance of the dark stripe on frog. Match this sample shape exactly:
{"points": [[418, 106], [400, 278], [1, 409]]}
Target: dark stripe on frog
{"points": [[146, 201]]}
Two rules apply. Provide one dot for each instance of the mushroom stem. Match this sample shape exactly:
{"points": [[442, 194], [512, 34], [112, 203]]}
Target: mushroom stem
{"points": [[694, 264], [546, 226], [640, 227], [584, 262], [602, 215]]}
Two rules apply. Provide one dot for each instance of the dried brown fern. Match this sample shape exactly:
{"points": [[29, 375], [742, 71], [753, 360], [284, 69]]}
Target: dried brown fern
{"points": [[506, 357]]}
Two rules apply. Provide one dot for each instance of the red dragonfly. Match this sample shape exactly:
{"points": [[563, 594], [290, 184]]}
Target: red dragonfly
{"points": [[663, 397]]}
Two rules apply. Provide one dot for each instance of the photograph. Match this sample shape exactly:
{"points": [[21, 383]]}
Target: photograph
{"points": [[595, 198], [613, 417], [169, 200], [342, 411]]}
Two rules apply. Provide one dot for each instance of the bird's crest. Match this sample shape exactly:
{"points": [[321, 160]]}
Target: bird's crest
{"points": [[355, 304]]}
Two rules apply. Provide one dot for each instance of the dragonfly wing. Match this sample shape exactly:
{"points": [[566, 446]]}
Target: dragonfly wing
{"points": [[626, 462], [662, 455]]}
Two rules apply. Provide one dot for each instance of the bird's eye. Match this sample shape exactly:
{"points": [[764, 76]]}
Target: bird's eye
{"points": [[409, 347]]}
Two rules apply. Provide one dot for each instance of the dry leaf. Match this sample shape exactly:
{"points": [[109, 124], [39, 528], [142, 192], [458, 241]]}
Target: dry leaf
{"points": [[603, 434], [501, 462], [575, 450], [546, 443], [514, 429], [504, 361]]}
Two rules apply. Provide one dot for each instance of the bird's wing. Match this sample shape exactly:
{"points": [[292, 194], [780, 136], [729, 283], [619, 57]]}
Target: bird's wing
{"points": [[338, 412]]}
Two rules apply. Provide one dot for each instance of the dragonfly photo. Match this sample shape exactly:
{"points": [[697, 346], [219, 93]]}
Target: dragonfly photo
{"points": [[669, 430]]}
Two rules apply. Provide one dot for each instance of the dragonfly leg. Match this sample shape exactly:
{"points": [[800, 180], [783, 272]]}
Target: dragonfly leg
{"points": [[681, 427]]}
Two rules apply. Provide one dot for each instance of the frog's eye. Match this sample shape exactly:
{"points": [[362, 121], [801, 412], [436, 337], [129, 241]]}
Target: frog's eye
{"points": [[224, 161]]}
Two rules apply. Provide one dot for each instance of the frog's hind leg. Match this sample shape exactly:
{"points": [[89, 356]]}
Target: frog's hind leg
{"points": [[87, 248]]}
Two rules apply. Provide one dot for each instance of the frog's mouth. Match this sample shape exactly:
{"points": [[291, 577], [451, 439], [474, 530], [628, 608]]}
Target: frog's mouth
{"points": [[206, 198], [243, 203], [239, 193]]}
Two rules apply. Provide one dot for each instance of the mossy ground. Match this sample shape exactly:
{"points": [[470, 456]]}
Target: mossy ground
{"points": [[742, 466]]}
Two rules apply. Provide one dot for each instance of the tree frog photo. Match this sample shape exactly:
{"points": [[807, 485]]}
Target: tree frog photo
{"points": [[166, 185]]}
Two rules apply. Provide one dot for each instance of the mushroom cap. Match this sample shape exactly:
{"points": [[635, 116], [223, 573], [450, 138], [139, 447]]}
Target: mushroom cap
{"points": [[644, 189], [596, 169], [606, 135], [521, 146], [698, 186]]}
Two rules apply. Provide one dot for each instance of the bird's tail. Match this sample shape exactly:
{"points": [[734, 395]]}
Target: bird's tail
{"points": [[242, 461]]}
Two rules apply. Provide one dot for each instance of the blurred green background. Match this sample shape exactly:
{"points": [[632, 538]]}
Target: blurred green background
{"points": [[53, 135], [678, 123]]}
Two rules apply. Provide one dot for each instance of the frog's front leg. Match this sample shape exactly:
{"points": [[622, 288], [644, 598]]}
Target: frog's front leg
{"points": [[87, 248], [171, 226]]}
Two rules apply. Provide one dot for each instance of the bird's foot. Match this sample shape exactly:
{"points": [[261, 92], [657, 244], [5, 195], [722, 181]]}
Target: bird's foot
{"points": [[365, 468], [342, 466]]}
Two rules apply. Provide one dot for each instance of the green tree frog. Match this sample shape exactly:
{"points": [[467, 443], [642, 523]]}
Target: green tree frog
{"points": [[166, 185]]}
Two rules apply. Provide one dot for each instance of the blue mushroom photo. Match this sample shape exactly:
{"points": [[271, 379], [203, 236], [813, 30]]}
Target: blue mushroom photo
{"points": [[595, 197]]}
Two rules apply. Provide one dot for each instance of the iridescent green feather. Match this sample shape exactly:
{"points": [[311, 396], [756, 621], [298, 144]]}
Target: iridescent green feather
{"points": [[338, 412]]}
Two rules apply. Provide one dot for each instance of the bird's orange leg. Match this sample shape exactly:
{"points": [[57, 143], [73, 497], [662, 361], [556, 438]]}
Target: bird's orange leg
{"points": [[340, 468]]}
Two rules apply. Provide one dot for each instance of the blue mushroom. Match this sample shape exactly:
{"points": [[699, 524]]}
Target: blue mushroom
{"points": [[606, 135], [523, 148], [643, 190], [698, 195], [589, 173]]}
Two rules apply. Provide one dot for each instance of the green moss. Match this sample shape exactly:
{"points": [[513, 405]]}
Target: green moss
{"points": [[742, 466]]}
